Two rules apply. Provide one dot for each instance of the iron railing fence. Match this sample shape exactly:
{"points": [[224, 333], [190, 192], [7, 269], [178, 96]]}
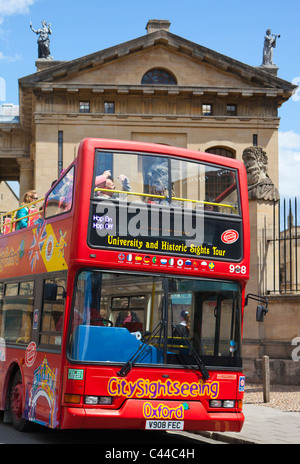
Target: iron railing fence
{"points": [[283, 247]]}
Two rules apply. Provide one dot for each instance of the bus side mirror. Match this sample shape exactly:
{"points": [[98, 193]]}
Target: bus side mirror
{"points": [[50, 292], [261, 311]]}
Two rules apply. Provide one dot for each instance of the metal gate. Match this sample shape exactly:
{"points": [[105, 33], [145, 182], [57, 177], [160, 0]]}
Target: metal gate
{"points": [[285, 247]]}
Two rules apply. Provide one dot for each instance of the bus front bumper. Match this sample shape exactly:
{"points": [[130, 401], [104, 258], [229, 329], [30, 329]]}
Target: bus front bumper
{"points": [[155, 414]]}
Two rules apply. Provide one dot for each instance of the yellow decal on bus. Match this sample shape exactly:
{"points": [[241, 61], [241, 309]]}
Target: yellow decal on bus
{"points": [[53, 250]]}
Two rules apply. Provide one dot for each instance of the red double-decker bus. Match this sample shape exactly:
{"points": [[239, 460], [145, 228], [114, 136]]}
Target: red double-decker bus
{"points": [[122, 307]]}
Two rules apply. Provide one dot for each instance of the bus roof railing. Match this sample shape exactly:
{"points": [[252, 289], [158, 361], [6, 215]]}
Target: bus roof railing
{"points": [[164, 197], [11, 215]]}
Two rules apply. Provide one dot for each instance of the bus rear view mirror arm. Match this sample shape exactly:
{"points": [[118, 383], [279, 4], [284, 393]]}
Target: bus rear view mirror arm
{"points": [[261, 309]]}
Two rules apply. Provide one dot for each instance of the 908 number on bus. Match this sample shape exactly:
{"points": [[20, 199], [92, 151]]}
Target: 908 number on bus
{"points": [[237, 269]]}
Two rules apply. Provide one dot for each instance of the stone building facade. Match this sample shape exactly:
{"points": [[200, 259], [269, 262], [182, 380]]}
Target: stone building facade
{"points": [[157, 88], [8, 198]]}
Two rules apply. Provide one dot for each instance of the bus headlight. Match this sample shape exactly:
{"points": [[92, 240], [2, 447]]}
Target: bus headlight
{"points": [[93, 400], [215, 403], [228, 404], [105, 399], [222, 403]]}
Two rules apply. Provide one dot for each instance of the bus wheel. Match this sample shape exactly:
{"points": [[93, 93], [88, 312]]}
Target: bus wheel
{"points": [[16, 405]]}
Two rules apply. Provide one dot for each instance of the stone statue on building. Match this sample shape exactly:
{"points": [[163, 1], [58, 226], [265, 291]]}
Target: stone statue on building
{"points": [[269, 45], [260, 186], [43, 40]]}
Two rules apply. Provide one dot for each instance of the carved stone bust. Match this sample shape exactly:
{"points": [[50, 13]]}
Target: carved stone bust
{"points": [[260, 186]]}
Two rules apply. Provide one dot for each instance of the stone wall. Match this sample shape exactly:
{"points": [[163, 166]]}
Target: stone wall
{"points": [[279, 337]]}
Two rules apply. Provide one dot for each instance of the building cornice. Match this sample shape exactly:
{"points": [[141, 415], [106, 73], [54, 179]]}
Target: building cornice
{"points": [[193, 91]]}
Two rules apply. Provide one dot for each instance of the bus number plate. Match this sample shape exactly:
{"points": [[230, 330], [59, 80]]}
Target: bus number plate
{"points": [[164, 425]]}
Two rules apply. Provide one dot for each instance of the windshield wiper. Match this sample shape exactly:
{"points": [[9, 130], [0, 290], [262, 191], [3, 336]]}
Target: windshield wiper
{"points": [[126, 368], [198, 360]]}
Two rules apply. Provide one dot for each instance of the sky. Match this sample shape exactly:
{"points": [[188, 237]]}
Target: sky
{"points": [[234, 28]]}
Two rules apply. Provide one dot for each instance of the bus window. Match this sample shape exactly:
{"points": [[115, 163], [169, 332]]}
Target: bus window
{"points": [[60, 199], [12, 289], [26, 288], [160, 180], [195, 184], [114, 307], [131, 177], [17, 312], [53, 310]]}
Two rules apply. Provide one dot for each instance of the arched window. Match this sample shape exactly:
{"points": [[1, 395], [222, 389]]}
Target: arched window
{"points": [[158, 76], [221, 151]]}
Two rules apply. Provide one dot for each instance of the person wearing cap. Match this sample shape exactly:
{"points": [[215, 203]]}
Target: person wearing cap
{"points": [[185, 325]]}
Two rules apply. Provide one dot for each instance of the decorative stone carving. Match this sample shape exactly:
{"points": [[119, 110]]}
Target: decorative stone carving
{"points": [[269, 45], [43, 40], [260, 186]]}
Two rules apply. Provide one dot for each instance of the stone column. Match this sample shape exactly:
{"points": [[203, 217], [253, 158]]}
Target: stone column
{"points": [[26, 176], [262, 193]]}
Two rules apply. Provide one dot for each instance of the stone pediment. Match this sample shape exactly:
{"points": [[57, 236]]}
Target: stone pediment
{"points": [[195, 67]]}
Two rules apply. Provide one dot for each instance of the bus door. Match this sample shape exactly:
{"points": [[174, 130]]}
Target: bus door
{"points": [[43, 351]]}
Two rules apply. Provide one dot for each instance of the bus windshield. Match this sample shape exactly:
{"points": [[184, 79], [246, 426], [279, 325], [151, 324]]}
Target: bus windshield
{"points": [[115, 313]]}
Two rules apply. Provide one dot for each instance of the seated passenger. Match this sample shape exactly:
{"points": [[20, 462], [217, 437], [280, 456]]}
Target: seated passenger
{"points": [[40, 218], [126, 316], [7, 225], [105, 181], [29, 197]]}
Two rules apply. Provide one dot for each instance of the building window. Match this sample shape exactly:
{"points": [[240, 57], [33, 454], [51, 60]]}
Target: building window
{"points": [[231, 110], [109, 107], [207, 109], [221, 151], [84, 107], [255, 140], [158, 76]]}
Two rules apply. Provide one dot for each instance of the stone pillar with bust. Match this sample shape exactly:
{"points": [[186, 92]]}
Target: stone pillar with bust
{"points": [[262, 193]]}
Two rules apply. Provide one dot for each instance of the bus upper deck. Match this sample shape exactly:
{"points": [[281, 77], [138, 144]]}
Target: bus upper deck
{"points": [[162, 202]]}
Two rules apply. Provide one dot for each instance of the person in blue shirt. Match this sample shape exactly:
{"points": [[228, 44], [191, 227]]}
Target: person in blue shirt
{"points": [[29, 197]]}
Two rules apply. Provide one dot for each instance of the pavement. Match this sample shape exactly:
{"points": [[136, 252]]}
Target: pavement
{"points": [[263, 425]]}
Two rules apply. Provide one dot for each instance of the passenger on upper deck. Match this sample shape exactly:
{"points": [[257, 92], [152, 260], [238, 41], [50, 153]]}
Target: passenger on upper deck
{"points": [[40, 219], [29, 197], [105, 181]]}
